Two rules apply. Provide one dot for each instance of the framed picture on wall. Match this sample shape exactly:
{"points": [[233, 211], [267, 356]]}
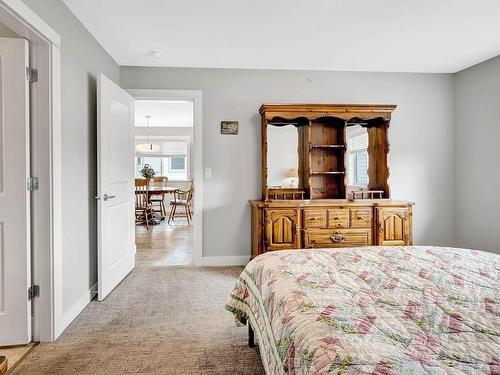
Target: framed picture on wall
{"points": [[229, 127]]}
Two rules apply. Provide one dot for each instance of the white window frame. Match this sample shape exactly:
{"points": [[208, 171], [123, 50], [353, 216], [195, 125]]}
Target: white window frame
{"points": [[161, 138], [169, 167]]}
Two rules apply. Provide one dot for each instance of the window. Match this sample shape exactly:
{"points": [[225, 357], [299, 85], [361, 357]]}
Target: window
{"points": [[361, 168], [178, 163], [171, 160]]}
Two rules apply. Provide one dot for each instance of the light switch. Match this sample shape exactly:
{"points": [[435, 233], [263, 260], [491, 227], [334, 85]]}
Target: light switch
{"points": [[208, 172]]}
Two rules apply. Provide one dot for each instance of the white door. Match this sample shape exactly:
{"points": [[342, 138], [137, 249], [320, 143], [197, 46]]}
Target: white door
{"points": [[15, 271], [115, 185]]}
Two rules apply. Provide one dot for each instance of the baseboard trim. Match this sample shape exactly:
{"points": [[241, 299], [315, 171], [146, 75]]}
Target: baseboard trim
{"points": [[78, 307], [241, 260]]}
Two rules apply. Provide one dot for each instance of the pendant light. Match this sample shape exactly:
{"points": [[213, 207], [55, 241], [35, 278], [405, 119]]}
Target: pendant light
{"points": [[148, 146]]}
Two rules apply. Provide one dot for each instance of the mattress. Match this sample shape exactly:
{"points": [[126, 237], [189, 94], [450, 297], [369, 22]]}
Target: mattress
{"points": [[376, 310]]}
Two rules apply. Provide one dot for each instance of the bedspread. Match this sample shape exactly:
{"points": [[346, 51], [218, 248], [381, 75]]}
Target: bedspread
{"points": [[377, 310]]}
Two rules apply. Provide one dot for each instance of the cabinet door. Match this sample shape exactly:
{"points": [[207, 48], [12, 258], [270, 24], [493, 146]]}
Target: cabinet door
{"points": [[281, 229], [393, 226]]}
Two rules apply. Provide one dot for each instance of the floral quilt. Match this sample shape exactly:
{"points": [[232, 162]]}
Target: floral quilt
{"points": [[376, 310]]}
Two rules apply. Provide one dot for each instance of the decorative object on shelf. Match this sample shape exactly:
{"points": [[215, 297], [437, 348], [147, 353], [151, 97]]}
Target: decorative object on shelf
{"points": [[293, 178], [351, 196], [229, 127], [147, 147], [147, 172]]}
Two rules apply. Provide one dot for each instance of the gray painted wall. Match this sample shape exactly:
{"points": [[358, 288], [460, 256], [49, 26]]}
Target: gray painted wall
{"points": [[83, 59], [477, 156], [421, 135]]}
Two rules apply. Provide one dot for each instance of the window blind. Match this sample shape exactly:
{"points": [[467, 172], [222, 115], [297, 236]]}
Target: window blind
{"points": [[359, 142]]}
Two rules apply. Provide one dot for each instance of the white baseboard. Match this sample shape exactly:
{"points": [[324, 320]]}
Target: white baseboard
{"points": [[78, 307], [241, 260]]}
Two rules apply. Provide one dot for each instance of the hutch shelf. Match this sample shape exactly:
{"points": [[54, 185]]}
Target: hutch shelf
{"points": [[317, 213]]}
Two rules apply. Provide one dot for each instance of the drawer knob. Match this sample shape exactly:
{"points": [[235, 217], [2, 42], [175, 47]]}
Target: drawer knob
{"points": [[337, 218], [337, 238], [361, 218]]}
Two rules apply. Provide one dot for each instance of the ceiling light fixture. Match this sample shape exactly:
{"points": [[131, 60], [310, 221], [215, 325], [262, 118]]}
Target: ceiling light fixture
{"points": [[148, 146]]}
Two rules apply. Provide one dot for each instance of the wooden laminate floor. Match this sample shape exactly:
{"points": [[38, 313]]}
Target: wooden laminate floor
{"points": [[15, 354], [165, 244]]}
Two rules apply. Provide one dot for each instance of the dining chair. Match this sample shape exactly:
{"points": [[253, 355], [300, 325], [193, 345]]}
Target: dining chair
{"points": [[141, 182], [182, 198], [143, 209], [159, 198]]}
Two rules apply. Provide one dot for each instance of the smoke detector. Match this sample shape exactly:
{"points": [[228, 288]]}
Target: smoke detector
{"points": [[156, 55]]}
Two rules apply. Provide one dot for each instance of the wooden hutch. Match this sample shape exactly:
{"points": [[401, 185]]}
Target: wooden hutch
{"points": [[322, 210]]}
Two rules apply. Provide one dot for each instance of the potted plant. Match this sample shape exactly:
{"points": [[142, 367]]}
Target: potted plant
{"points": [[147, 172]]}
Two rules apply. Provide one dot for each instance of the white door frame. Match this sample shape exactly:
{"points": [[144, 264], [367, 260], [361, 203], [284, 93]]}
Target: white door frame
{"points": [[45, 51], [196, 96]]}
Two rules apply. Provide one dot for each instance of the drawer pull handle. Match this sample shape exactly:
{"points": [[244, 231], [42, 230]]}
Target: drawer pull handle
{"points": [[336, 218], [337, 238], [361, 218]]}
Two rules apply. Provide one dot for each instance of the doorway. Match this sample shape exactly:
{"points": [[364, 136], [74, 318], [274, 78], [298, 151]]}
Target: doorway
{"points": [[164, 130], [168, 137]]}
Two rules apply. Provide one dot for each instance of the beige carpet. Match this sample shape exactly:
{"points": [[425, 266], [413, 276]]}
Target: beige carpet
{"points": [[168, 320]]}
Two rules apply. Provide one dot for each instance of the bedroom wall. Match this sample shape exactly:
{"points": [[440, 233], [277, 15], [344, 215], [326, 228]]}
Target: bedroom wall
{"points": [[421, 136], [477, 156], [83, 59]]}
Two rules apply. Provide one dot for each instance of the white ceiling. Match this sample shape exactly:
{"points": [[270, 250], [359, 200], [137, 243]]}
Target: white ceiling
{"points": [[366, 35], [163, 113]]}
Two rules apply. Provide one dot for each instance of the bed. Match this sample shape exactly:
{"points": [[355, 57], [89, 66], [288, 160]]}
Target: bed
{"points": [[397, 310]]}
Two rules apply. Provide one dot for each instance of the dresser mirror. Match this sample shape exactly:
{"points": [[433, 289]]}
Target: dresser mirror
{"points": [[325, 152], [357, 158], [282, 157]]}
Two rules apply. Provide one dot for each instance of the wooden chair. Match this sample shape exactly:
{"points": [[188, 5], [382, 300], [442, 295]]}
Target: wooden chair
{"points": [[159, 198], [182, 198], [142, 205], [141, 182]]}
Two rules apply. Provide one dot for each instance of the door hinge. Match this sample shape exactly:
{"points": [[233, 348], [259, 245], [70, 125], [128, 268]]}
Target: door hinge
{"points": [[32, 184], [32, 74], [33, 292]]}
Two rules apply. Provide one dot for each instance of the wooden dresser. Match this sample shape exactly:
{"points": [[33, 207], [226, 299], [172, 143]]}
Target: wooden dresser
{"points": [[340, 152], [297, 224]]}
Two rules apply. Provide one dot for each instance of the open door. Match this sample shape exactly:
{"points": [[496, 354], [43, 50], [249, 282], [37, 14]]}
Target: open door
{"points": [[15, 268], [115, 185]]}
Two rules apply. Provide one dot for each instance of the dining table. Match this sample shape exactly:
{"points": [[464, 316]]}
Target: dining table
{"points": [[162, 190]]}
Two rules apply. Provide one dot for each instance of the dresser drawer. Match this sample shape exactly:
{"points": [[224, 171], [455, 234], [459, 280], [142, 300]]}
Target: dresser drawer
{"points": [[361, 218], [318, 238], [314, 218], [338, 218]]}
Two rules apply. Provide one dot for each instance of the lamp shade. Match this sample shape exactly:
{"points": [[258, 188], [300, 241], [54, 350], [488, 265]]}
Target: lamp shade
{"points": [[293, 173]]}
